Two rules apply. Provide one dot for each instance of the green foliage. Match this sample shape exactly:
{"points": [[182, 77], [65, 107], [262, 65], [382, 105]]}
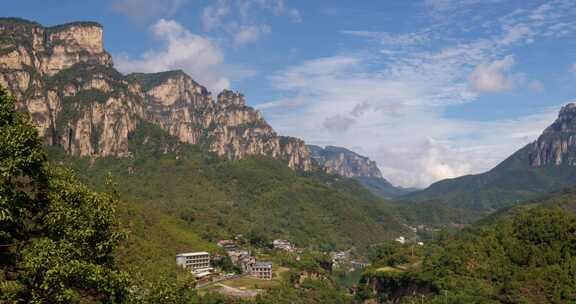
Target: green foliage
{"points": [[150, 80], [468, 198], [528, 256], [390, 253], [314, 292], [57, 237], [257, 197]]}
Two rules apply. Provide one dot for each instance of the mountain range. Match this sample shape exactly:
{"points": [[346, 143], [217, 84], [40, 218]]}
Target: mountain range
{"points": [[66, 80], [190, 168]]}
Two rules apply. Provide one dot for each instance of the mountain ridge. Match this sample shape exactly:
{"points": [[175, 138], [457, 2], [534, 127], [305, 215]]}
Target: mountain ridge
{"points": [[542, 166], [65, 79], [344, 162]]}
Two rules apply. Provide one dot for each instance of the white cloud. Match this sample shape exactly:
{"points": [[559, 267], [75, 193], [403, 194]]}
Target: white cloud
{"points": [[242, 20], [573, 68], [494, 76], [248, 34], [142, 10], [517, 33], [284, 103], [393, 39], [212, 15], [181, 49], [338, 123], [389, 98], [443, 6]]}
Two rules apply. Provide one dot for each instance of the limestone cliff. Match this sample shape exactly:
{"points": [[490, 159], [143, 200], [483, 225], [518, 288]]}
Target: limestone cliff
{"points": [[65, 79], [557, 144], [343, 162]]}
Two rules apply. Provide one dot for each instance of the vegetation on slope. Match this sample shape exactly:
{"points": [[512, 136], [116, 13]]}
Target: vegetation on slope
{"points": [[170, 187], [468, 198], [57, 237], [525, 255]]}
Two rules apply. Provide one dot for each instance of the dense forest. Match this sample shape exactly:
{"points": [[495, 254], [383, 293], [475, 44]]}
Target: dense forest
{"points": [[524, 255]]}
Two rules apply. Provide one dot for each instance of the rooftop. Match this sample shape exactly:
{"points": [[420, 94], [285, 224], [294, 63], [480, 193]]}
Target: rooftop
{"points": [[192, 254], [263, 264]]}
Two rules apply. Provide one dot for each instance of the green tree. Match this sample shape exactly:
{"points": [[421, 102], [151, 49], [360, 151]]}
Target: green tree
{"points": [[57, 238]]}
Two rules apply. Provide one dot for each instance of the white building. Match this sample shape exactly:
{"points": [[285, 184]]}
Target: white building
{"points": [[283, 245], [262, 270], [401, 240], [197, 262]]}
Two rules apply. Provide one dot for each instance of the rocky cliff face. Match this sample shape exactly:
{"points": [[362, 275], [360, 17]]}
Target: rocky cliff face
{"points": [[343, 162], [557, 144], [65, 79]]}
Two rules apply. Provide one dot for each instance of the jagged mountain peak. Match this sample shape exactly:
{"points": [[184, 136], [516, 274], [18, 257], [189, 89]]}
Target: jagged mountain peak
{"points": [[557, 144]]}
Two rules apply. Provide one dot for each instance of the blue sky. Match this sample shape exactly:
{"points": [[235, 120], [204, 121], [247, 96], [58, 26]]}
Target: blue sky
{"points": [[429, 89]]}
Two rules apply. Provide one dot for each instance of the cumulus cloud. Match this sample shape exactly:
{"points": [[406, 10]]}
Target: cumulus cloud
{"points": [[142, 10], [493, 76], [181, 49]]}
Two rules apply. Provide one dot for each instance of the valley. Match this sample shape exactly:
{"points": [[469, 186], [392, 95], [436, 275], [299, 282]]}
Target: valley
{"points": [[117, 175]]}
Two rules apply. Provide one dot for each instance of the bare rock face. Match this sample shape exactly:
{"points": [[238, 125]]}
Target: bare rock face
{"points": [[65, 79], [557, 144], [226, 126], [343, 162]]}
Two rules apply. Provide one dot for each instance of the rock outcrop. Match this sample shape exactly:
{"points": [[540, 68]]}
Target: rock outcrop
{"points": [[557, 144], [343, 162], [65, 79]]}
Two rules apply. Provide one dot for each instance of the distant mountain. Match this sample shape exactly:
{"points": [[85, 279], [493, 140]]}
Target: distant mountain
{"points": [[545, 165], [343, 162]]}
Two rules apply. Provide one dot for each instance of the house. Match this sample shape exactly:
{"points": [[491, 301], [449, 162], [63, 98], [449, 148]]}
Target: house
{"points": [[262, 270], [236, 255], [283, 245], [228, 245], [401, 240], [339, 258], [246, 261], [197, 262]]}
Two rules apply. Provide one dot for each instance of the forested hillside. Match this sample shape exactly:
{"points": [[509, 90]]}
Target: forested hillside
{"points": [[526, 254], [207, 198]]}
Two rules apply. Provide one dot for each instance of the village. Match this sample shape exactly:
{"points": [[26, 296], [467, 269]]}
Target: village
{"points": [[238, 270]]}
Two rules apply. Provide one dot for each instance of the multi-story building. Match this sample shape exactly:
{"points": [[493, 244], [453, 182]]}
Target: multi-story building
{"points": [[228, 245], [195, 261], [262, 270]]}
